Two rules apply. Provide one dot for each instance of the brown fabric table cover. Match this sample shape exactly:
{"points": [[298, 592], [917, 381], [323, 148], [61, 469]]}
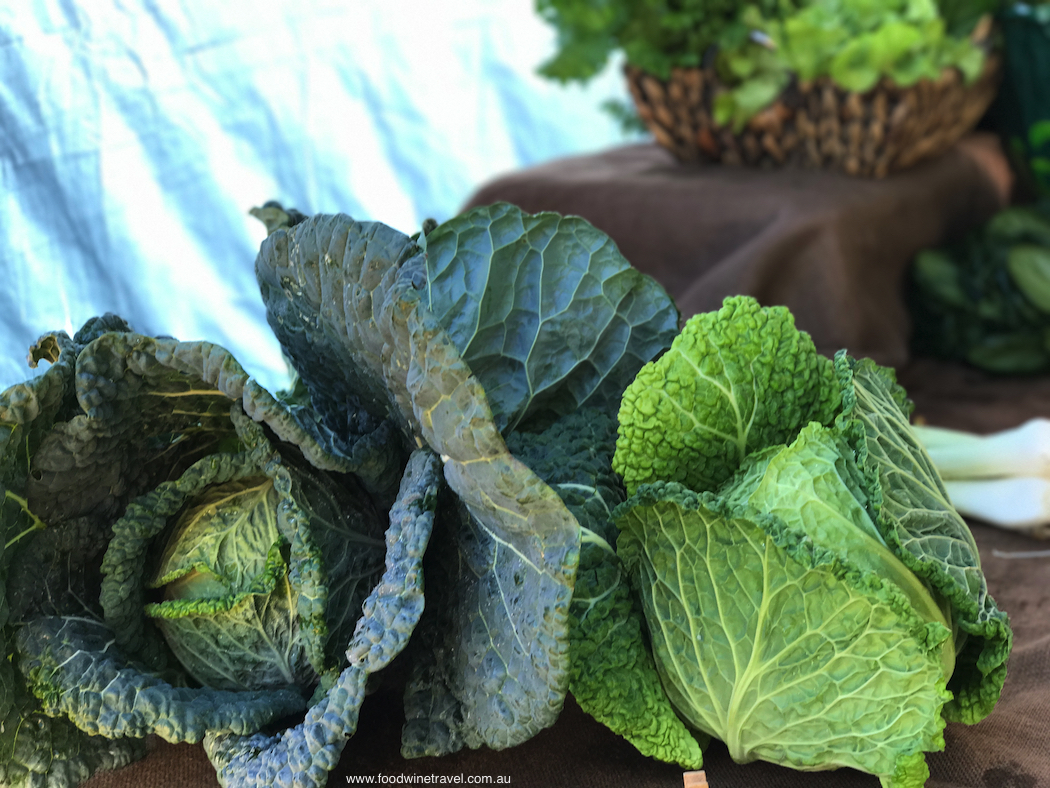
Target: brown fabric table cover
{"points": [[834, 249]]}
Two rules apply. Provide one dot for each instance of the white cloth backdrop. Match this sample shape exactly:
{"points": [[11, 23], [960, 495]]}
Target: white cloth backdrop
{"points": [[135, 135]]}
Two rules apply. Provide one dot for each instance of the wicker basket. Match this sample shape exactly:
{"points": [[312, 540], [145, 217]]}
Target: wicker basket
{"points": [[817, 124]]}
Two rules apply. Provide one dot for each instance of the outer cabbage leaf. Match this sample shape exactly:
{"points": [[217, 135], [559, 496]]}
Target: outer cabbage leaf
{"points": [[72, 667], [545, 310], [734, 381], [132, 383], [347, 292], [815, 487], [34, 748], [37, 750], [921, 526], [303, 755], [613, 677], [776, 646]]}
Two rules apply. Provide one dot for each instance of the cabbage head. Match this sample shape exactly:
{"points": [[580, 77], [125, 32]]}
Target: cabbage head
{"points": [[187, 556], [812, 597]]}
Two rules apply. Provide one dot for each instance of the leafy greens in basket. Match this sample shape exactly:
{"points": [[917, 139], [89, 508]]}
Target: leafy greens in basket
{"points": [[759, 47]]}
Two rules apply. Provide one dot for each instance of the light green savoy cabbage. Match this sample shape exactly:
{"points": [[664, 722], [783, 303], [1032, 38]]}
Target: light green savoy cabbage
{"points": [[812, 597]]}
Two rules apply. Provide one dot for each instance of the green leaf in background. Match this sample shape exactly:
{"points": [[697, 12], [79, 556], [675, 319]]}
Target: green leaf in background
{"points": [[983, 300], [545, 310], [854, 66], [1039, 134], [1029, 266]]}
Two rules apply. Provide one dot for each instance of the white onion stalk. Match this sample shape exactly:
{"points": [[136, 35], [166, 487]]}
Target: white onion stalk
{"points": [[1002, 478], [1021, 451], [1019, 503]]}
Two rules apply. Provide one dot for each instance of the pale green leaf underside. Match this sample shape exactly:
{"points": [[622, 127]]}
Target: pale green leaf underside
{"points": [[784, 661]]}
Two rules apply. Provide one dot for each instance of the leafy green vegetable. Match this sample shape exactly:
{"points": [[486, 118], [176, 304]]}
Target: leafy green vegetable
{"points": [[655, 35], [986, 299], [423, 384], [164, 420], [760, 46], [70, 666], [823, 586]]}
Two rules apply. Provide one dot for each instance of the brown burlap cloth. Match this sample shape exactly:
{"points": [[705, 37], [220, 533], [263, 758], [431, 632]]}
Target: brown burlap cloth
{"points": [[834, 249]]}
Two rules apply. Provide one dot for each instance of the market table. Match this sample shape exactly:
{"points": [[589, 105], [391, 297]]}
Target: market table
{"points": [[835, 250]]}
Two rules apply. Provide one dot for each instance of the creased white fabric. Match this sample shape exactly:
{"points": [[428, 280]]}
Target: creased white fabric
{"points": [[135, 136]]}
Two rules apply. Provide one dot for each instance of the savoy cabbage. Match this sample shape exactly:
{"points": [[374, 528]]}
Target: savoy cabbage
{"points": [[813, 598]]}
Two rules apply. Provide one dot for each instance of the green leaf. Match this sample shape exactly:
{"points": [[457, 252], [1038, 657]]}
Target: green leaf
{"points": [[37, 750], [246, 641], [853, 67], [1029, 266], [613, 676], [775, 646], [545, 310], [809, 42], [72, 667], [920, 525], [734, 381], [816, 489], [226, 533], [1038, 134]]}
